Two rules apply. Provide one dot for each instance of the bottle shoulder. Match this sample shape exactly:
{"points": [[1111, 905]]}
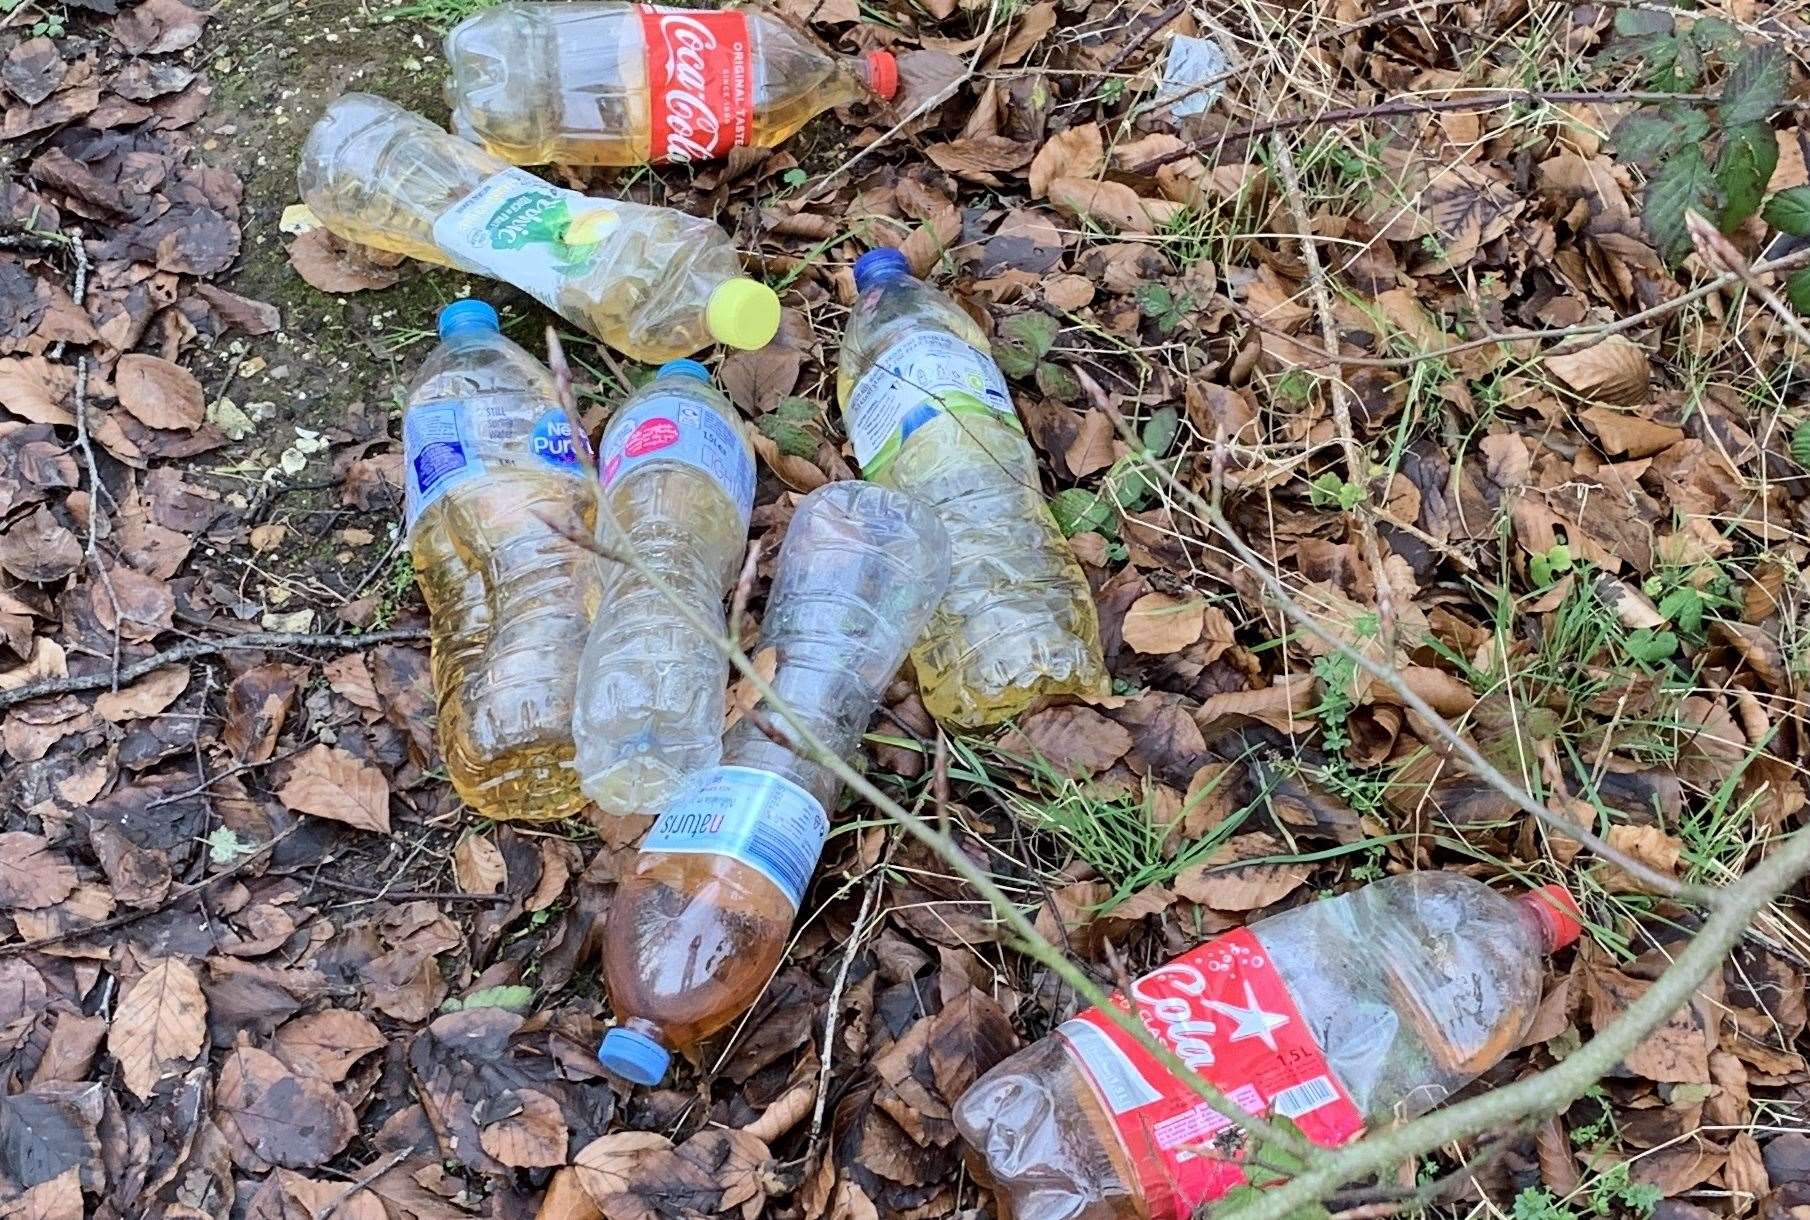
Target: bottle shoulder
{"points": [[488, 364]]}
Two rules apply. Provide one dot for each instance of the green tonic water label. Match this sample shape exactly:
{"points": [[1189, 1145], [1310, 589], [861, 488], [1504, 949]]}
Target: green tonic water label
{"points": [[526, 232], [920, 377]]}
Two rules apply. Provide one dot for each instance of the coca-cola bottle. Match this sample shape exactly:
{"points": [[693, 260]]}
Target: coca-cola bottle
{"points": [[1371, 1007], [601, 82]]}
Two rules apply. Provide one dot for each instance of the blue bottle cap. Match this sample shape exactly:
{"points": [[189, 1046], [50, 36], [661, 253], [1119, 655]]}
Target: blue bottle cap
{"points": [[467, 315], [634, 1056], [682, 368], [877, 266]]}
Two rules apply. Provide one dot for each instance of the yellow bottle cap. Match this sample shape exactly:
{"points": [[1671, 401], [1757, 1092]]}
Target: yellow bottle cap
{"points": [[742, 313]]}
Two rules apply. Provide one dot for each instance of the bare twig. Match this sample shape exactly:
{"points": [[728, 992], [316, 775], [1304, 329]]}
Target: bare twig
{"points": [[191, 649], [744, 585], [830, 1016], [806, 740], [367, 891], [1718, 251], [365, 1179], [130, 917], [1552, 1090], [1357, 466]]}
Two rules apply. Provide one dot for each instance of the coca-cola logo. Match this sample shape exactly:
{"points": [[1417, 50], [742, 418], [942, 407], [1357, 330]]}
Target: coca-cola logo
{"points": [[693, 126]]}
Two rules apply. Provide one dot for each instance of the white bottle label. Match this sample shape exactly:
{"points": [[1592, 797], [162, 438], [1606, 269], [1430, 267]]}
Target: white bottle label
{"points": [[456, 440], [673, 427], [526, 232], [764, 820], [912, 382]]}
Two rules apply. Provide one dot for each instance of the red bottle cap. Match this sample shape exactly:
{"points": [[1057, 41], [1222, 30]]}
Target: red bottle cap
{"points": [[1558, 914], [883, 73]]}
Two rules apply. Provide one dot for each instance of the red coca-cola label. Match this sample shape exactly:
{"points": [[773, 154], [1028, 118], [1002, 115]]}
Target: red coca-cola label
{"points": [[700, 82], [1224, 1011]]}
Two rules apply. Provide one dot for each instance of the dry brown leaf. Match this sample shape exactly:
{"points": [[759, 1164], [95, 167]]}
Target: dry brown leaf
{"points": [[610, 1165], [162, 1019], [324, 1045], [57, 1198], [1111, 203], [478, 867], [1160, 624], [1613, 370], [1219, 882], [271, 1116], [34, 389], [33, 875], [1622, 434], [1647, 844], [566, 1199], [329, 783], [145, 697], [1091, 449], [350, 679], [39, 548], [1073, 152], [533, 1137], [336, 266], [160, 394], [1068, 292], [1073, 740]]}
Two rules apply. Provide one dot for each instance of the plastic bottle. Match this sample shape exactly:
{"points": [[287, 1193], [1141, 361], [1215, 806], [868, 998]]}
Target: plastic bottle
{"points": [[626, 84], [677, 474], [490, 456], [651, 282], [696, 932], [1373, 1006], [929, 413]]}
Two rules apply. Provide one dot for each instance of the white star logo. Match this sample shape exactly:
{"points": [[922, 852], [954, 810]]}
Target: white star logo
{"points": [[1253, 1022]]}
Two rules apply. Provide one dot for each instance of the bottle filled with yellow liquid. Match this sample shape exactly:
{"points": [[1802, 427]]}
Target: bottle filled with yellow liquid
{"points": [[493, 464], [928, 412], [653, 283], [628, 84]]}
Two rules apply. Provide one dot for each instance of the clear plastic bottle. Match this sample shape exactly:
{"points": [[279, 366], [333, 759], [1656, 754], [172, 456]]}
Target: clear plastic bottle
{"points": [[490, 457], [677, 473], [698, 929], [929, 413], [1373, 1006], [651, 282], [626, 84]]}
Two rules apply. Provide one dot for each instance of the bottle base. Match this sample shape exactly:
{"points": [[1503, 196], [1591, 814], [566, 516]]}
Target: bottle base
{"points": [[536, 784], [636, 785], [961, 707]]}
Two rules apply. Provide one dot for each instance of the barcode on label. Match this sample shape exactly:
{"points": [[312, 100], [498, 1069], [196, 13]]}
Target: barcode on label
{"points": [[789, 859], [1307, 1096]]}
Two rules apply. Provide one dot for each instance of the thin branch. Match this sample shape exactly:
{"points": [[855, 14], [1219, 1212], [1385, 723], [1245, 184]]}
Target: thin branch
{"points": [[191, 649], [1718, 251], [1557, 1087], [1357, 466], [131, 917], [806, 740]]}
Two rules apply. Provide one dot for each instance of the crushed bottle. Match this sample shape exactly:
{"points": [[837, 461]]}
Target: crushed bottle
{"points": [[1371, 1007], [928, 412], [491, 461], [699, 927], [677, 473], [654, 283], [627, 84]]}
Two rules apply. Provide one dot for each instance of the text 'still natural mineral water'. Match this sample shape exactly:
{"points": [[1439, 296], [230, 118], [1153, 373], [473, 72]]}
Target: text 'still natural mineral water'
{"points": [[626, 84], [677, 474], [651, 282], [493, 464], [1363, 1009], [928, 412], [697, 929]]}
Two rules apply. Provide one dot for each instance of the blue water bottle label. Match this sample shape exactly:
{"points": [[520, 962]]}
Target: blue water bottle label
{"points": [[673, 427], [913, 381], [453, 441], [763, 820]]}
